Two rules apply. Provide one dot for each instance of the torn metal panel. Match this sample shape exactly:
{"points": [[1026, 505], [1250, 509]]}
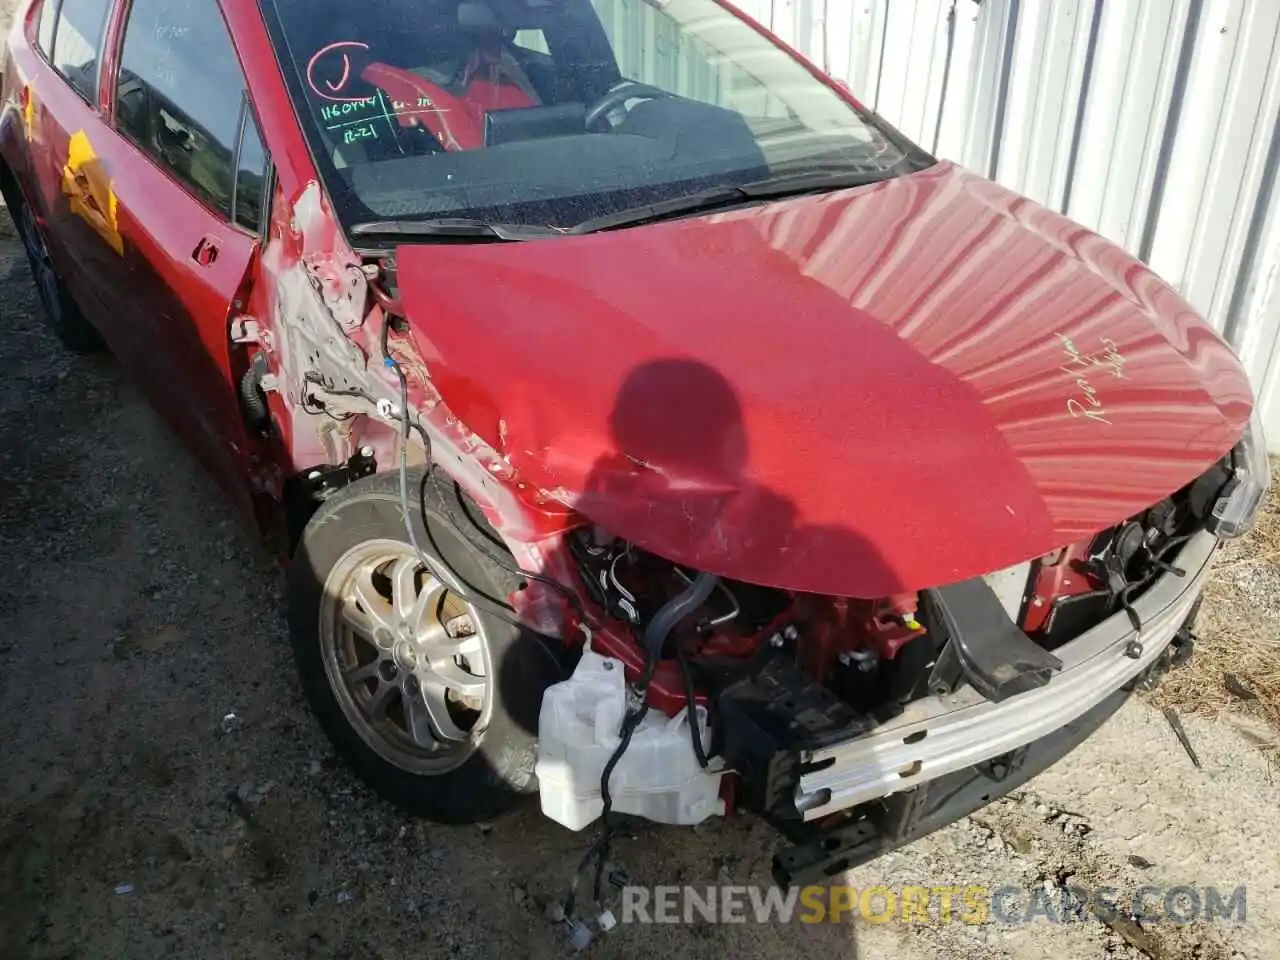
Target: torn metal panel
{"points": [[331, 394]]}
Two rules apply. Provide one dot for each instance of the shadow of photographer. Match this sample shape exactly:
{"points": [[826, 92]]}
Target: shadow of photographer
{"points": [[679, 477]]}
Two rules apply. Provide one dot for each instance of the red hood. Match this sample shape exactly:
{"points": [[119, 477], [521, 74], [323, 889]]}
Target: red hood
{"points": [[859, 393]]}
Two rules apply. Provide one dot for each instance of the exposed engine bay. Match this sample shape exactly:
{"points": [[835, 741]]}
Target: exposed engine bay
{"points": [[875, 656], [771, 677]]}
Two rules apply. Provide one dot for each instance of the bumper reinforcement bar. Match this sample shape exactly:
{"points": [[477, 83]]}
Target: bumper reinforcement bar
{"points": [[937, 736]]}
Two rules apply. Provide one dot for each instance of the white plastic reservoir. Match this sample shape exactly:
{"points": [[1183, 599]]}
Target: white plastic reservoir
{"points": [[658, 777]]}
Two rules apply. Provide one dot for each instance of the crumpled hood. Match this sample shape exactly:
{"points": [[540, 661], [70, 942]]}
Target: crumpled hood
{"points": [[871, 391]]}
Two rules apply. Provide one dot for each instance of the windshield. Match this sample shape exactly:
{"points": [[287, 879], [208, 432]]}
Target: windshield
{"points": [[556, 112]]}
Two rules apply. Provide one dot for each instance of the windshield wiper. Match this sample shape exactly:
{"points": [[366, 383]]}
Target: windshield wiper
{"points": [[774, 188], [459, 227], [715, 198]]}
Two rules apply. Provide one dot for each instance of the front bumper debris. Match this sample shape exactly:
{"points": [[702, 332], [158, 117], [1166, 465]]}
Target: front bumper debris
{"points": [[937, 736]]}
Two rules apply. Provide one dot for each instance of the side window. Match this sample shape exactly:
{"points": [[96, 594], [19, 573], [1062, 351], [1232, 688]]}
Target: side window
{"points": [[77, 42], [251, 176], [44, 28], [179, 93]]}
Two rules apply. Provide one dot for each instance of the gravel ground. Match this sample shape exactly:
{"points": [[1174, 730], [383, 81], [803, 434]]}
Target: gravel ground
{"points": [[139, 819]]}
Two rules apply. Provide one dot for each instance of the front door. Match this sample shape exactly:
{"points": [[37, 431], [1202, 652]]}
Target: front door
{"points": [[186, 167]]}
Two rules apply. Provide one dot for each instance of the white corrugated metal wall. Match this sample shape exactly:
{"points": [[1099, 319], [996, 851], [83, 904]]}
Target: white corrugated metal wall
{"points": [[1154, 122]]}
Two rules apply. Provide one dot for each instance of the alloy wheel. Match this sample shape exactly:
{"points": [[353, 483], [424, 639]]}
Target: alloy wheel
{"points": [[406, 658]]}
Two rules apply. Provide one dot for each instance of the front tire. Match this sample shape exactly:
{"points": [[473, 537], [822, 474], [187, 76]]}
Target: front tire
{"points": [[433, 700]]}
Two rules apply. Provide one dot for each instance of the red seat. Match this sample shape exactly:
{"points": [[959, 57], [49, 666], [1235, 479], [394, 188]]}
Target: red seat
{"points": [[491, 80]]}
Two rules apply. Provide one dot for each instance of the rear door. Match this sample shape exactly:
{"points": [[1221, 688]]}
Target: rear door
{"points": [[189, 211], [68, 180]]}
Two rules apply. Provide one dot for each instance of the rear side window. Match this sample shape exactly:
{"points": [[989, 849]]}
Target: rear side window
{"points": [[77, 42], [180, 92], [44, 29]]}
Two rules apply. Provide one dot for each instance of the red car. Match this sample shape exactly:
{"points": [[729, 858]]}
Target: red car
{"points": [[647, 423]]}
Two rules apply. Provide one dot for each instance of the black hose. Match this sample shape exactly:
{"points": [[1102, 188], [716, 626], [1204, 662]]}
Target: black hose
{"points": [[675, 610], [599, 851], [511, 566], [655, 635], [692, 701], [255, 403]]}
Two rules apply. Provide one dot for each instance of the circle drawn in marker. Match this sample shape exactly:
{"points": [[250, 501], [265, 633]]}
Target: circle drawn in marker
{"points": [[340, 47]]}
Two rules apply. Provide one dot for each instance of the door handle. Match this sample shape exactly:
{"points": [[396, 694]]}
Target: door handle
{"points": [[206, 251]]}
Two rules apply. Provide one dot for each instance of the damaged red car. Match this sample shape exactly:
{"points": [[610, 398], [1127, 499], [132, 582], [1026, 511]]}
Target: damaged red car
{"points": [[648, 425]]}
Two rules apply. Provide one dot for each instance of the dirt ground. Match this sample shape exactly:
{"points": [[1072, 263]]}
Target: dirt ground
{"points": [[1235, 674], [165, 793]]}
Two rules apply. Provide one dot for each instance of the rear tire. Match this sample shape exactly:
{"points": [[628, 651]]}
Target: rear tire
{"points": [[61, 313], [432, 701]]}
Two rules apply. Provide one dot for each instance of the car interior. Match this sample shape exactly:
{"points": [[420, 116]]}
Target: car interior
{"points": [[462, 58]]}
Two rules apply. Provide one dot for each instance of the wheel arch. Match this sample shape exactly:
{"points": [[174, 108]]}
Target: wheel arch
{"points": [[12, 147], [9, 187], [500, 768]]}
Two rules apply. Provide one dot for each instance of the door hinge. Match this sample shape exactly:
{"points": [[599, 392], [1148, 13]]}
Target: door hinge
{"points": [[244, 330]]}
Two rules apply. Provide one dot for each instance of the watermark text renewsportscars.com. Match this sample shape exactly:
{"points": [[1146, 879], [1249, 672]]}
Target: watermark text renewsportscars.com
{"points": [[930, 905]]}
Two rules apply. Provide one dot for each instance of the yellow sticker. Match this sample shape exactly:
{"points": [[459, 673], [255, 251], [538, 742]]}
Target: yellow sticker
{"points": [[29, 111], [89, 189]]}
